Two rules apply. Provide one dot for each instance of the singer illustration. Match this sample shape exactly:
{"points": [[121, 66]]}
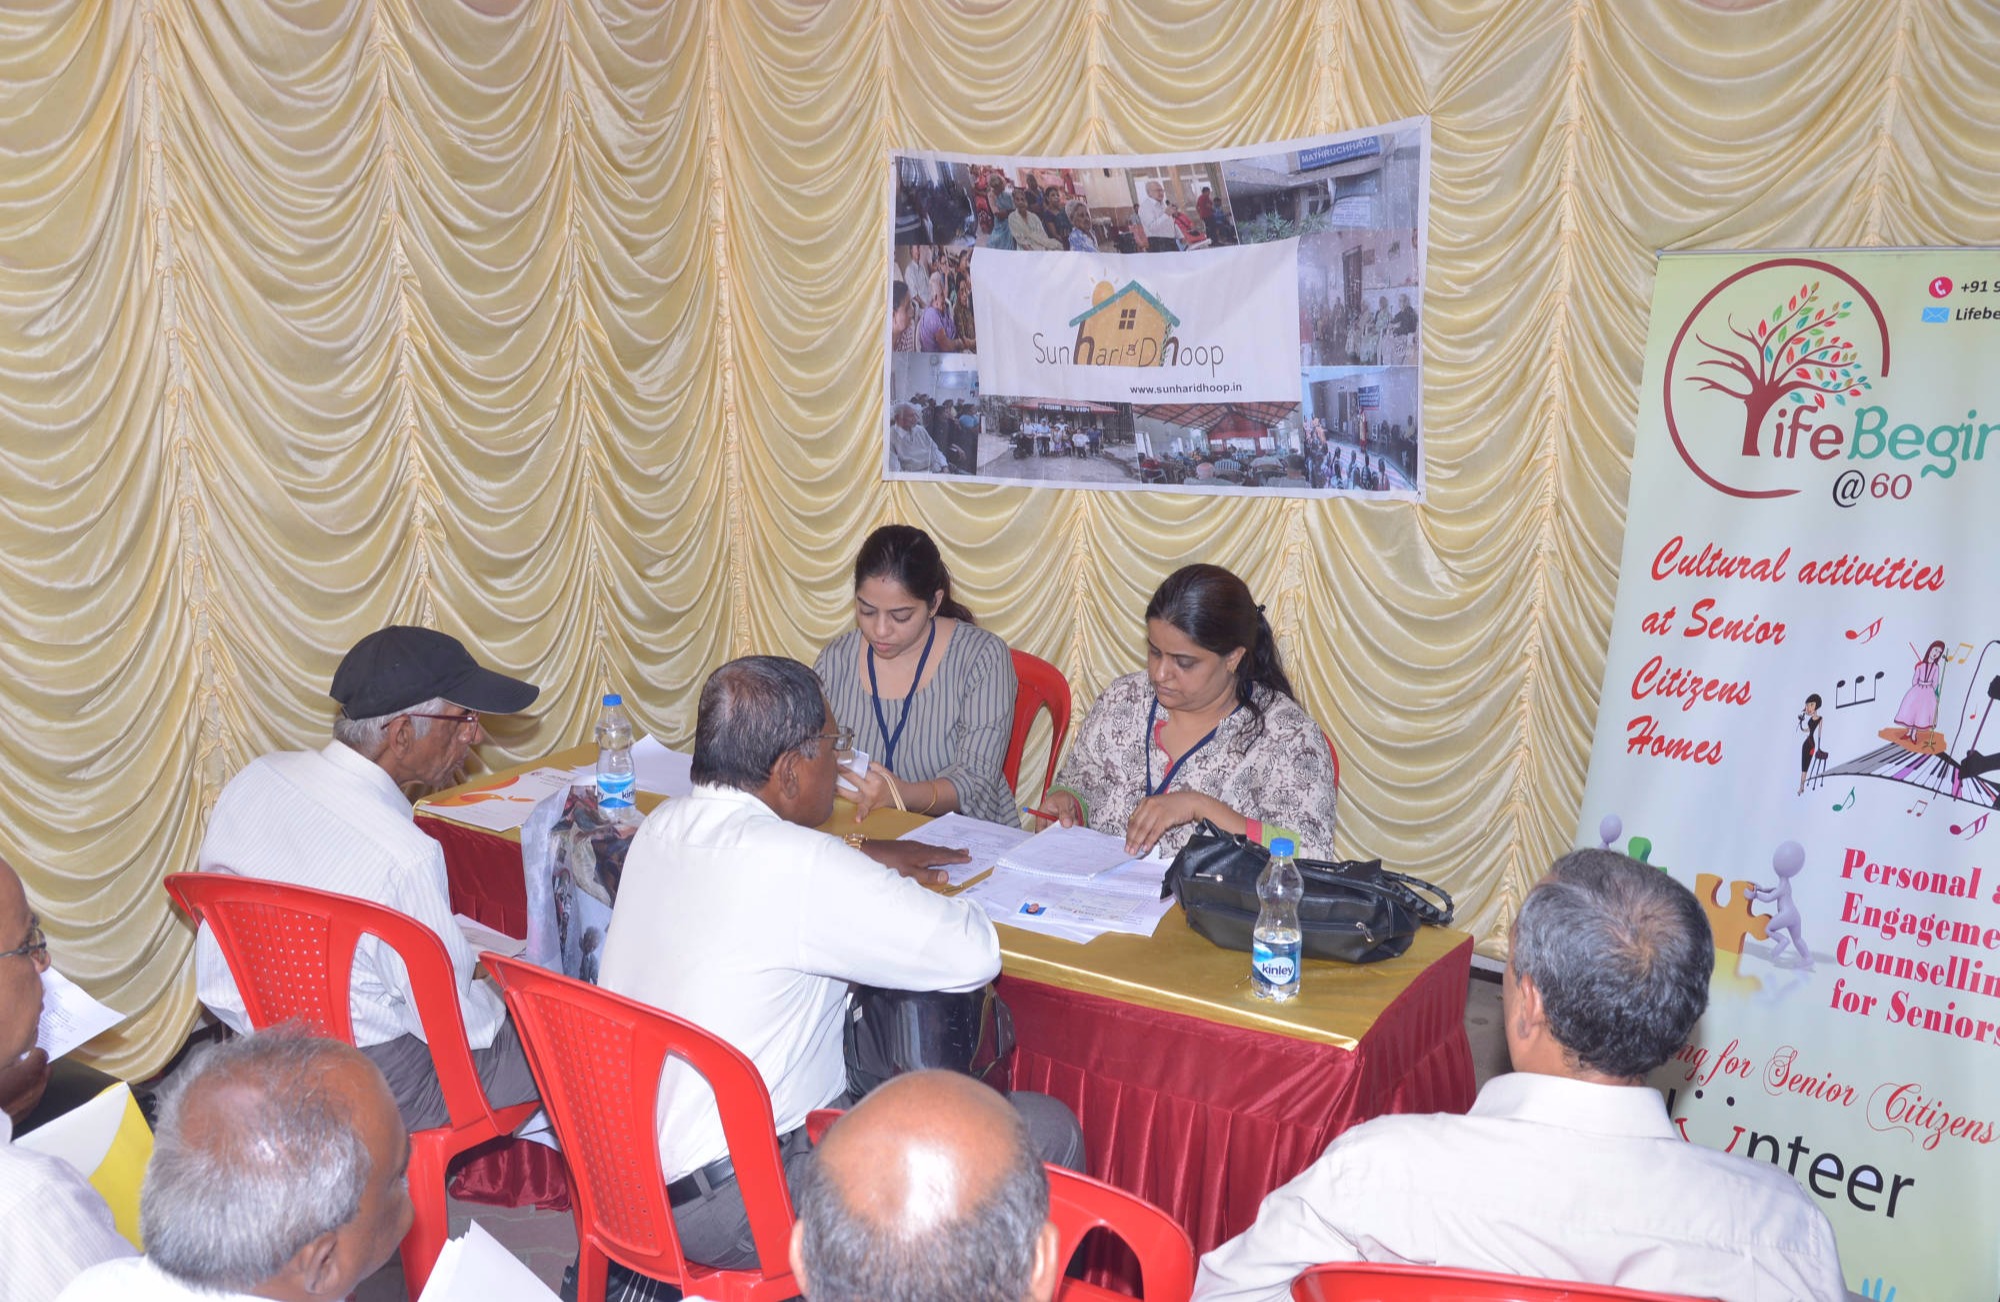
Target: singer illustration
{"points": [[1919, 710], [1811, 748]]}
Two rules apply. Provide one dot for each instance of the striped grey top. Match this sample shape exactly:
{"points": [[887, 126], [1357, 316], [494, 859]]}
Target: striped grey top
{"points": [[959, 721]]}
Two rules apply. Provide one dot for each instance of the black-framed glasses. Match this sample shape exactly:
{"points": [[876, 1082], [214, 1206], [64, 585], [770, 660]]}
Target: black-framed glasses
{"points": [[37, 945], [470, 719]]}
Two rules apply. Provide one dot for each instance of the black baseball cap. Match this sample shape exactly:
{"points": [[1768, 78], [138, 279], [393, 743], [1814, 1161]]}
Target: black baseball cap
{"points": [[400, 666]]}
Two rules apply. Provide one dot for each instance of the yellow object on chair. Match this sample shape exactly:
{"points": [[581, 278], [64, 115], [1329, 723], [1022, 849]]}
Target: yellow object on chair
{"points": [[109, 1143]]}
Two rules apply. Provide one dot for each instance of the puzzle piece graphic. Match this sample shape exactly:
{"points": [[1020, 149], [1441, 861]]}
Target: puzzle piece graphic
{"points": [[1733, 921]]}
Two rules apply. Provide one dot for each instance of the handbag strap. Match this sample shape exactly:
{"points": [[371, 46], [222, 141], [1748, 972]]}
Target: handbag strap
{"points": [[1401, 887], [1429, 912]]}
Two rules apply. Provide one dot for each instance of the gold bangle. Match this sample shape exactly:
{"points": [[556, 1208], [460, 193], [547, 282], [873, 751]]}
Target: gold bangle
{"points": [[896, 795], [855, 839]]}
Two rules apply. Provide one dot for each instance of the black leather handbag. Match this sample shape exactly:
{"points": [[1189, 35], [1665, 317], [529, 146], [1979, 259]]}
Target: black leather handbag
{"points": [[890, 1032], [1354, 911]]}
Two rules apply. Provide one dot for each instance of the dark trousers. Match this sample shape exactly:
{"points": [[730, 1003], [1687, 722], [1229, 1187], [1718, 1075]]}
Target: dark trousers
{"points": [[405, 1062]]}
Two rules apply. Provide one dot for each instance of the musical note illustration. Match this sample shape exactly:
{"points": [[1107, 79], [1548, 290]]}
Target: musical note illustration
{"points": [[1847, 803], [1971, 829], [1964, 650], [1865, 634], [1854, 696], [1918, 809]]}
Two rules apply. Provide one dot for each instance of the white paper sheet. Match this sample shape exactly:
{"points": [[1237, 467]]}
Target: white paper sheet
{"points": [[475, 1267], [1074, 853], [502, 808], [482, 937], [82, 1136], [852, 769], [985, 841], [1079, 911], [659, 770], [69, 1016]]}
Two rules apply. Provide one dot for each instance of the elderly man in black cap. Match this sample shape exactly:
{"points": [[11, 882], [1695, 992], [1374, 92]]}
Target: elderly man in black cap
{"points": [[336, 819]]}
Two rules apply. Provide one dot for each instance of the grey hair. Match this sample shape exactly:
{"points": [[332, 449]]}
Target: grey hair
{"points": [[282, 1165], [367, 735], [1622, 955], [902, 407], [753, 710], [984, 1254]]}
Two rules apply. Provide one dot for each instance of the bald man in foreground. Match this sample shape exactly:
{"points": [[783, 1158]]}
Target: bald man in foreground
{"points": [[928, 1189], [277, 1172]]}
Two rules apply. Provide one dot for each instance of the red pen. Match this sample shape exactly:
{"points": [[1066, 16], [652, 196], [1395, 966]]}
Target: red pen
{"points": [[1044, 815]]}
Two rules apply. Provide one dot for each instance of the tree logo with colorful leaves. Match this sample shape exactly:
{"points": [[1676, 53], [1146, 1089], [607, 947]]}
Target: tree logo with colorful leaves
{"points": [[1774, 341]]}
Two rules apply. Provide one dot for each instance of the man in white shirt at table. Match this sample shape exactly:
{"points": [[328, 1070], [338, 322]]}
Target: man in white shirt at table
{"points": [[336, 819], [1569, 1167], [52, 1223], [736, 914]]}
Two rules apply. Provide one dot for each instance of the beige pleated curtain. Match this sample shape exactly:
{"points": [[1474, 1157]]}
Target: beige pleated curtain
{"points": [[559, 326]]}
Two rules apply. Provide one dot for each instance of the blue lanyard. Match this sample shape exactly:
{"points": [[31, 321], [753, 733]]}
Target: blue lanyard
{"points": [[881, 721], [1152, 714]]}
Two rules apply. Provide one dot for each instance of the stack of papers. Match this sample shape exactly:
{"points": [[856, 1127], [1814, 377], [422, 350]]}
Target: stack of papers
{"points": [[984, 841], [1073, 883], [504, 808], [656, 769], [1075, 853]]}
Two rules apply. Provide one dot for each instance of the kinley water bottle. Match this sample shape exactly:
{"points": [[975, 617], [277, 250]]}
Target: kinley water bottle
{"points": [[614, 762], [1274, 946]]}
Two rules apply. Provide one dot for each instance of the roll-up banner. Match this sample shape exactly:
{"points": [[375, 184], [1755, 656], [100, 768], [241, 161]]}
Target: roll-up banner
{"points": [[1800, 720]]}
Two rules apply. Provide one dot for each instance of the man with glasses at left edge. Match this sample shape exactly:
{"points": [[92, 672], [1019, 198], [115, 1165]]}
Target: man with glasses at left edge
{"points": [[337, 819], [52, 1223]]}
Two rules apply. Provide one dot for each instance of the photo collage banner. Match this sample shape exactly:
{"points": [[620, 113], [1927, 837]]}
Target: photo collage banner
{"points": [[1246, 321], [1798, 721]]}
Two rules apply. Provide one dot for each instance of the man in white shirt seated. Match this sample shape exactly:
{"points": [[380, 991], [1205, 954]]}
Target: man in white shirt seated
{"points": [[928, 1189], [336, 819], [737, 914], [52, 1223], [1568, 1168], [277, 1170]]}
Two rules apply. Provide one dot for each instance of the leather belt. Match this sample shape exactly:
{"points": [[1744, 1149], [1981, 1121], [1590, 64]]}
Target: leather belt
{"points": [[705, 1180]]}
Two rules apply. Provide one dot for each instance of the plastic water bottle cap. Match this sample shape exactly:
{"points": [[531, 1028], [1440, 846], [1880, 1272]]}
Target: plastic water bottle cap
{"points": [[614, 699], [1283, 846]]}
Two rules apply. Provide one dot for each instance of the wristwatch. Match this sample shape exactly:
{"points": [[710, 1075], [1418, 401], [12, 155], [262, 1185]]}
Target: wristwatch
{"points": [[855, 839]]}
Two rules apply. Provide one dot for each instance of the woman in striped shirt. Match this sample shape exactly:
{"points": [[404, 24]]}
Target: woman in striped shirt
{"points": [[928, 693]]}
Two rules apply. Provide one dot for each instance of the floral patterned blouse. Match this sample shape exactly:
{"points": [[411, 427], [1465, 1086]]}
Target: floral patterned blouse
{"points": [[1279, 773]]}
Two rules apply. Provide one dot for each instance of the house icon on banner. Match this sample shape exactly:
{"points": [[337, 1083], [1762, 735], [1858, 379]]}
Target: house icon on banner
{"points": [[1124, 327]]}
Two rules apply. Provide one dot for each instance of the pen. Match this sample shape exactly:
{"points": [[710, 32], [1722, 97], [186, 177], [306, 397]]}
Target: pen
{"points": [[1044, 815]]}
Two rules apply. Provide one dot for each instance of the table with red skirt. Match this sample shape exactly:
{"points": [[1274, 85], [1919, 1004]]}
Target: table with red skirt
{"points": [[1191, 1093]]}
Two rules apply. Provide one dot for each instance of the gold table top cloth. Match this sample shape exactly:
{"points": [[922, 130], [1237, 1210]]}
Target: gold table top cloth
{"points": [[1174, 969]]}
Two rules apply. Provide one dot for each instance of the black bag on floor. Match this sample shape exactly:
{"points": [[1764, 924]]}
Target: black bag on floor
{"points": [[1353, 911], [890, 1032]]}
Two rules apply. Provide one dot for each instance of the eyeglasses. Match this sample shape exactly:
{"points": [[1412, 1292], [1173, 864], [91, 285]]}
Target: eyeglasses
{"points": [[468, 720], [842, 738], [37, 946]]}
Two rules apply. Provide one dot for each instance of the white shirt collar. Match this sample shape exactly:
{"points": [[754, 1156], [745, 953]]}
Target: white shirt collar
{"points": [[1636, 1110], [366, 771]]}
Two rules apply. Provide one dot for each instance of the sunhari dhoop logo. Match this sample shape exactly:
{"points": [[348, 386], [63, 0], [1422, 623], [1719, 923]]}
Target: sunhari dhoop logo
{"points": [[1761, 368], [1124, 327]]}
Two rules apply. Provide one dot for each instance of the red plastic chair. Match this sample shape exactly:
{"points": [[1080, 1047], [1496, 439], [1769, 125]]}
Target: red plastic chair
{"points": [[1079, 1204], [1365, 1281], [291, 951], [597, 1058], [1040, 684]]}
